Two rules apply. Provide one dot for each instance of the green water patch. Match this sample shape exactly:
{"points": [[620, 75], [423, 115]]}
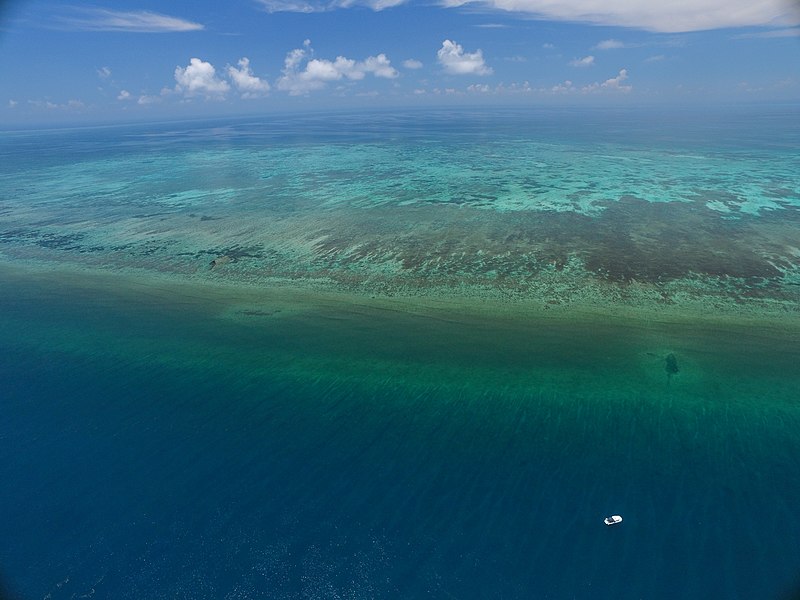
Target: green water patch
{"points": [[303, 335]]}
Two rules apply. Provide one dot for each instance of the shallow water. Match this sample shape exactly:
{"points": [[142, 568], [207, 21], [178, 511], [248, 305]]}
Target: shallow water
{"points": [[168, 436], [416, 200]]}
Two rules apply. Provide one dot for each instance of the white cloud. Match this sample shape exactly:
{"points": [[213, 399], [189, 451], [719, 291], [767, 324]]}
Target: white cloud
{"points": [[457, 62], [656, 58], [412, 64], [145, 100], [318, 6], [124, 95], [12, 103], [586, 61], [143, 21], [669, 16], [492, 26], [609, 45], [548, 46], [380, 66], [299, 78], [613, 84], [479, 88], [199, 78], [248, 84], [104, 72]]}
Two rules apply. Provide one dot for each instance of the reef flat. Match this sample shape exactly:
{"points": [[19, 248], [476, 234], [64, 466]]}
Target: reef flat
{"points": [[558, 215]]}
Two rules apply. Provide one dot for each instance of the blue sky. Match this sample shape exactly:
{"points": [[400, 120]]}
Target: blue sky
{"points": [[120, 60]]}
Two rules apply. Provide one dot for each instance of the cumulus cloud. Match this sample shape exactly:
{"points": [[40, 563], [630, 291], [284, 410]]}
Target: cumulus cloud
{"points": [[478, 88], [380, 66], [199, 78], [303, 74], [586, 61], [124, 95], [458, 62], [412, 64], [143, 21], [318, 6], [249, 85], [613, 84], [667, 17]]}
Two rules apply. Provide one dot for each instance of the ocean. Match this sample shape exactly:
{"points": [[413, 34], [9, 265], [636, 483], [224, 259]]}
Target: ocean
{"points": [[403, 355]]}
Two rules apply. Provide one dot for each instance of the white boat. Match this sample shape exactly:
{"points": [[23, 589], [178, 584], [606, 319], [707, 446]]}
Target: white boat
{"points": [[613, 520]]}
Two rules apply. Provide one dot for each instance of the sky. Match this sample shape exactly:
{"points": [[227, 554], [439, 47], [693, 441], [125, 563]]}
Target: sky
{"points": [[119, 60]]}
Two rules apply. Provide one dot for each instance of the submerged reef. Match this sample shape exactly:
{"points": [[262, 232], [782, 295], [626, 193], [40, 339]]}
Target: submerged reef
{"points": [[556, 209], [631, 250]]}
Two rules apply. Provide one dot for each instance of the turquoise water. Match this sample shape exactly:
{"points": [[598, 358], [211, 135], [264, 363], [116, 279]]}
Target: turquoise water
{"points": [[417, 374], [418, 199]]}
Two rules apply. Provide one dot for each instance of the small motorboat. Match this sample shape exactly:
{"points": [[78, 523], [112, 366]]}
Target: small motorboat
{"points": [[613, 520]]}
